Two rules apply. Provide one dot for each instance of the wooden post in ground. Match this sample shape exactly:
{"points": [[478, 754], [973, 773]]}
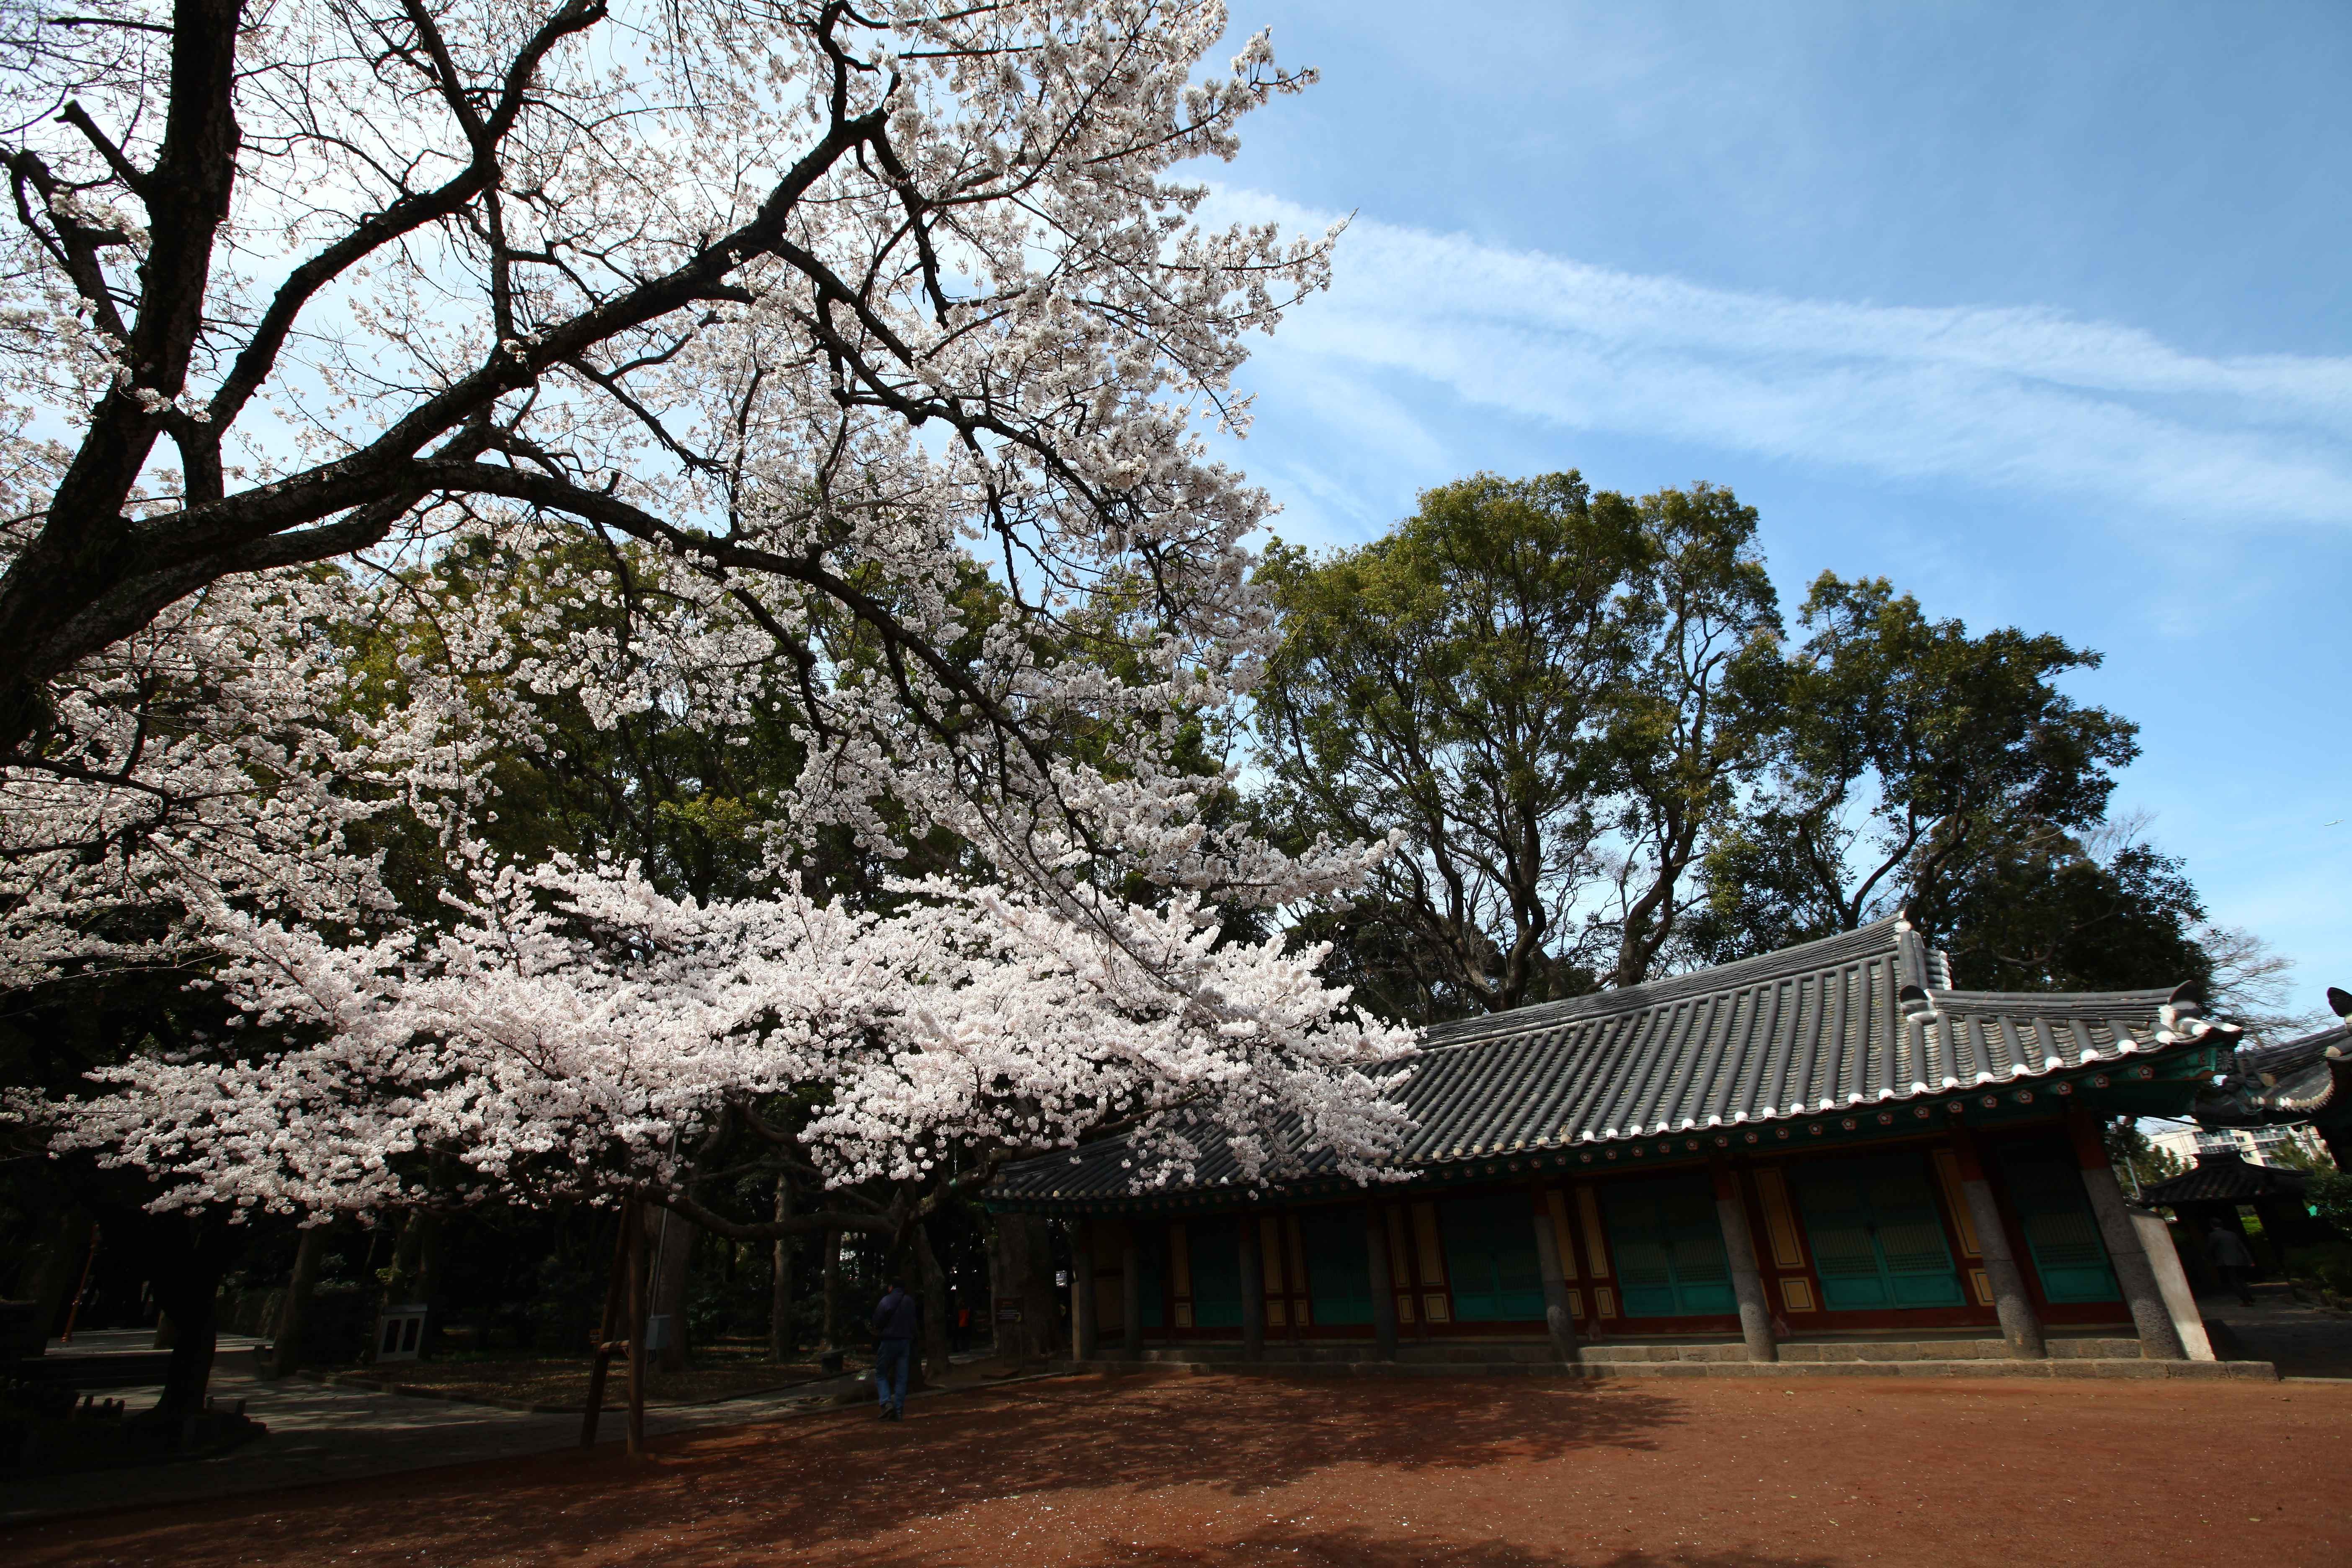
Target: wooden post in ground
{"points": [[668, 1276], [607, 1326], [637, 1310], [2021, 1325], [62, 1271], [82, 1286], [294, 1307], [831, 1338], [780, 1282], [1739, 1250], [1383, 1281]]}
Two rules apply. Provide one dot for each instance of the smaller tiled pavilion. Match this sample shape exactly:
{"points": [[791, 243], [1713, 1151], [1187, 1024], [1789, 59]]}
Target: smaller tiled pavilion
{"points": [[2307, 1079], [2221, 1186], [1819, 1143]]}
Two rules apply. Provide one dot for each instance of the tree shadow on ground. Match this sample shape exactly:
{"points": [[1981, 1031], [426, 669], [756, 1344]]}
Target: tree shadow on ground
{"points": [[835, 1486], [1356, 1548], [1353, 1547]]}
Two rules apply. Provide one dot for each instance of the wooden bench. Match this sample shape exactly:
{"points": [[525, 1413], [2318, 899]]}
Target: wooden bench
{"points": [[25, 1359]]}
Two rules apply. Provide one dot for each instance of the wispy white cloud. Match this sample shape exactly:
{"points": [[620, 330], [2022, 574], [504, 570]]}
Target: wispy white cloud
{"points": [[2020, 398]]}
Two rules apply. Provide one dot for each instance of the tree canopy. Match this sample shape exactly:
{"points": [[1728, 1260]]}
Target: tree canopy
{"points": [[1543, 695], [1577, 715]]}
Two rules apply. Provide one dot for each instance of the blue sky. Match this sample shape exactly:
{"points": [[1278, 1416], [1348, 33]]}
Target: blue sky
{"points": [[2039, 311]]}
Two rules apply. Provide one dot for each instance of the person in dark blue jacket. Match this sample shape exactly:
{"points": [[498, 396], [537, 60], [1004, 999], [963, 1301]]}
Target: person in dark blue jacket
{"points": [[895, 1320]]}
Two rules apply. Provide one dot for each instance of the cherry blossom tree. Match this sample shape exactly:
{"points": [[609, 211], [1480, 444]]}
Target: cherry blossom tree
{"points": [[855, 363], [832, 307], [578, 1030]]}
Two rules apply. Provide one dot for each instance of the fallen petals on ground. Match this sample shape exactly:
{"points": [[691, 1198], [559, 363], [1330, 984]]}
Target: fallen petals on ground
{"points": [[1155, 1471]]}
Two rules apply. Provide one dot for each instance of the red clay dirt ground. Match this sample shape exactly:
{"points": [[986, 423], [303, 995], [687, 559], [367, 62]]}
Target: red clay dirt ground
{"points": [[1160, 1472]]}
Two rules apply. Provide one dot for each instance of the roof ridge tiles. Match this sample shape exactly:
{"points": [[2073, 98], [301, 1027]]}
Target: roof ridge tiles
{"points": [[1816, 1030], [1803, 960]]}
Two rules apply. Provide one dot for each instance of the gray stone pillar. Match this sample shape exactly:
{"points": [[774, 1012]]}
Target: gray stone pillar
{"points": [[2158, 1341], [2155, 1240], [1082, 1288], [1383, 1281], [1131, 1286], [1747, 1279], [1558, 1321], [2021, 1325], [1253, 1291]]}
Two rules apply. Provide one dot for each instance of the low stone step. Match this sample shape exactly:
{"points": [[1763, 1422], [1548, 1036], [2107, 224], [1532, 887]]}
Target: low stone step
{"points": [[1473, 1354], [1871, 1350], [2056, 1366], [1606, 1354], [2120, 1348], [1589, 1370]]}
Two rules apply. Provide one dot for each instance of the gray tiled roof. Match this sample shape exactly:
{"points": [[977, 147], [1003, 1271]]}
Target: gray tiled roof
{"points": [[2291, 1081], [2225, 1176], [1861, 1018]]}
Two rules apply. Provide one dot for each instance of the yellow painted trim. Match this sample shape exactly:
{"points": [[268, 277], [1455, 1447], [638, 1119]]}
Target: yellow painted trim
{"points": [[1596, 1251], [1562, 1242], [1780, 1222], [1956, 1198]]}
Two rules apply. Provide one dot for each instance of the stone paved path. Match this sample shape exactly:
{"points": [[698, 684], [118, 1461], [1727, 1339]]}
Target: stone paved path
{"points": [[323, 1432], [2303, 1339]]}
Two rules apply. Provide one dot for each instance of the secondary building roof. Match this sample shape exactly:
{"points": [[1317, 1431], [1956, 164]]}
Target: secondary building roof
{"points": [[1864, 1018], [2224, 1175], [2308, 1079]]}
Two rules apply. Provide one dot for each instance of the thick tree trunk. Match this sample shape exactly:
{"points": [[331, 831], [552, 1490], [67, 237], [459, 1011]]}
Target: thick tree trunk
{"points": [[187, 1287], [432, 1257], [57, 1270], [416, 1270], [286, 1353], [673, 1240], [184, 1255], [934, 1305], [639, 1262], [780, 1284], [832, 1339], [1023, 1279], [407, 1257]]}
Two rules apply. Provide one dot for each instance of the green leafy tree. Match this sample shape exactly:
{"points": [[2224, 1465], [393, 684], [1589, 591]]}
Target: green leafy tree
{"points": [[1915, 755], [2137, 1156], [2041, 910], [1544, 696], [2327, 1186]]}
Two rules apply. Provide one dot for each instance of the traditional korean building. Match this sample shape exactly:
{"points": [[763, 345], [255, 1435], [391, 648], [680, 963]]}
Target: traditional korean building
{"points": [[1822, 1144], [2305, 1081]]}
